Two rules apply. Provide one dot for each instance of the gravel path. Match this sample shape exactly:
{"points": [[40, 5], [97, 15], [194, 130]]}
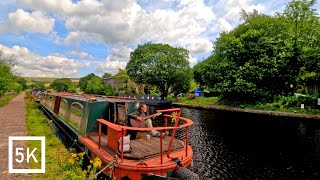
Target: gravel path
{"points": [[13, 123]]}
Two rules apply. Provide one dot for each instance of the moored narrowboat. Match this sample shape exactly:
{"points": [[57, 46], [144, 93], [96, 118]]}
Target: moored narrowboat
{"points": [[100, 124]]}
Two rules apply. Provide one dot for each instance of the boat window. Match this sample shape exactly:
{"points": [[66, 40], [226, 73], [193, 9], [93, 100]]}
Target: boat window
{"points": [[43, 100], [120, 113], [63, 109], [50, 103], [76, 114]]}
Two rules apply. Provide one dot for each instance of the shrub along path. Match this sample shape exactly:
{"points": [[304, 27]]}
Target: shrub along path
{"points": [[13, 123]]}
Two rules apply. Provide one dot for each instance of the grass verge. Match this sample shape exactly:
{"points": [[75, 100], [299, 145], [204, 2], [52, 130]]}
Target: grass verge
{"points": [[276, 106], [57, 155], [198, 101], [271, 107], [6, 99]]}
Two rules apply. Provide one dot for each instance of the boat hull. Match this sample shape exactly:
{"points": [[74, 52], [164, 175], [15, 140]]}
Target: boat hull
{"points": [[137, 169]]}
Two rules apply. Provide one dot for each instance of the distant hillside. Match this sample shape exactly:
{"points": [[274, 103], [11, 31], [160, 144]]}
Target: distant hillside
{"points": [[47, 80]]}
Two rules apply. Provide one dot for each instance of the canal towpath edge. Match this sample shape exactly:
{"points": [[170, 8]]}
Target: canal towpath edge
{"points": [[13, 123], [235, 109]]}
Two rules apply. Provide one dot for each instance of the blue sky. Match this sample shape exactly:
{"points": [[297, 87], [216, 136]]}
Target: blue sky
{"points": [[69, 38]]}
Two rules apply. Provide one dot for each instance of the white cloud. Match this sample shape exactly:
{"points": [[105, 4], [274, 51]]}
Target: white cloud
{"points": [[224, 25], [29, 64], [121, 54], [118, 58], [22, 21], [111, 66], [200, 45], [233, 7], [193, 61], [127, 23], [81, 54], [52, 6]]}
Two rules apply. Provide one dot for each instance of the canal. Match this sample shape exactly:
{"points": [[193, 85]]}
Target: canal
{"points": [[230, 145]]}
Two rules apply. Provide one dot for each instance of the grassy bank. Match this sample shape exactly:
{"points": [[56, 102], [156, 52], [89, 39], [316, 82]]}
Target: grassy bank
{"points": [[273, 107], [282, 105], [57, 156], [197, 101], [6, 99]]}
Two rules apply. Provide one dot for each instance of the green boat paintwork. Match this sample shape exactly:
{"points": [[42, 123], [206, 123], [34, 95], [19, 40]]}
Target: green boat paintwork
{"points": [[91, 111]]}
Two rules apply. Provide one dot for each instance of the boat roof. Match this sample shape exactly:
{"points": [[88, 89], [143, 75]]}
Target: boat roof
{"points": [[98, 98]]}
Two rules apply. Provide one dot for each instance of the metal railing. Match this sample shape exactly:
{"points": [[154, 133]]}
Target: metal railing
{"points": [[177, 117]]}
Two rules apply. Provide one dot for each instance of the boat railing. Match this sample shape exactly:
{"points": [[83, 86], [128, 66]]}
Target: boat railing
{"points": [[119, 131], [89, 96]]}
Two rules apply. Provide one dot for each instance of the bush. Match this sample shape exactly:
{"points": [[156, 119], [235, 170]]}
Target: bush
{"points": [[16, 87]]}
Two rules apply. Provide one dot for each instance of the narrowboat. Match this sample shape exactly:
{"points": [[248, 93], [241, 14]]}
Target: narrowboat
{"points": [[100, 125]]}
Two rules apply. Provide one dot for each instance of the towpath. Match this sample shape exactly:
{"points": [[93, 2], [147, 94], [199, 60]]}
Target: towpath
{"points": [[12, 123]]}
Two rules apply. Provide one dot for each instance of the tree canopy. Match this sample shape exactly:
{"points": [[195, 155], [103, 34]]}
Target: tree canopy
{"points": [[63, 85], [92, 84], [106, 75], [84, 81], [7, 79], [261, 57], [95, 86], [160, 65]]}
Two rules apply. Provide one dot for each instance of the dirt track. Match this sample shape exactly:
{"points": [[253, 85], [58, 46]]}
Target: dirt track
{"points": [[13, 123]]}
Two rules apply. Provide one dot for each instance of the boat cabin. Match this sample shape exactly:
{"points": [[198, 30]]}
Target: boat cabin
{"points": [[100, 125]]}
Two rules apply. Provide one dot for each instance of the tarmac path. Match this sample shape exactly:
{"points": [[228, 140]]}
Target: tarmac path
{"points": [[12, 123]]}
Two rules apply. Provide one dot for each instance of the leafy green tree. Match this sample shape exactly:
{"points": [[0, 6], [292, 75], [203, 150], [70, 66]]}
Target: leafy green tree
{"points": [[16, 87], [260, 58], [22, 82], [160, 65], [304, 32], [39, 85], [108, 90], [106, 75], [95, 86], [84, 81], [63, 85], [6, 75], [250, 62], [183, 85]]}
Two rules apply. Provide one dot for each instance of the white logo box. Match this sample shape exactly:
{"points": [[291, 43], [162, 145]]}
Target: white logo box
{"points": [[27, 138]]}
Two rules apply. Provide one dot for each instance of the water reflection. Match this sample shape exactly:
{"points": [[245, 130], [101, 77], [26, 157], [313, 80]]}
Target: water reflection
{"points": [[247, 146]]}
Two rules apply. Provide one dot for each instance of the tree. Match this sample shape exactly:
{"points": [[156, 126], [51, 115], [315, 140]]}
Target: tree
{"points": [[108, 90], [261, 57], [183, 85], [250, 63], [160, 65], [95, 86], [63, 85], [106, 75], [22, 82], [16, 87], [6, 75], [304, 31], [39, 85], [84, 81]]}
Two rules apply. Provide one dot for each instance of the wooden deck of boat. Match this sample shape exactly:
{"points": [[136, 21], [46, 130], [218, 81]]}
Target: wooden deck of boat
{"points": [[141, 148]]}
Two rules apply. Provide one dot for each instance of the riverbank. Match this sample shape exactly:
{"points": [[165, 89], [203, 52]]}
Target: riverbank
{"points": [[237, 109], [4, 100], [57, 154]]}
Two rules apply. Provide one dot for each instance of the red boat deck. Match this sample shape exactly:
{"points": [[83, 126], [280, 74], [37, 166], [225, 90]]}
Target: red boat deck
{"points": [[141, 148]]}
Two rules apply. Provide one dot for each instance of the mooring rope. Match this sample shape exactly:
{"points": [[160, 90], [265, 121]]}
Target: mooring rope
{"points": [[111, 165]]}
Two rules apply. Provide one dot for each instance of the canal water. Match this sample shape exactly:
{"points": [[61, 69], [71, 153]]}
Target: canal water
{"points": [[230, 145]]}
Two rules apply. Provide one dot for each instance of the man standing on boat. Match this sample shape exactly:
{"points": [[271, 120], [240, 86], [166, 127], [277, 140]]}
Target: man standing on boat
{"points": [[140, 119]]}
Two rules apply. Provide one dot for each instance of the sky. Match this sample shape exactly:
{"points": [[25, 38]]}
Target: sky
{"points": [[70, 38]]}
